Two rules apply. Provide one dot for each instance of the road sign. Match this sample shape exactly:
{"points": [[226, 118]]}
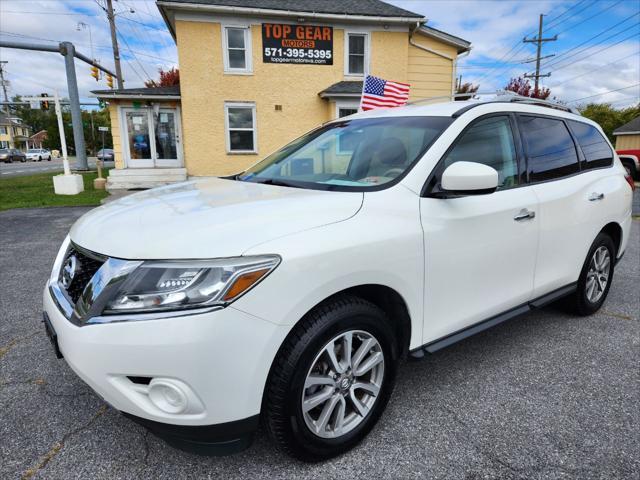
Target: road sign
{"points": [[103, 129]]}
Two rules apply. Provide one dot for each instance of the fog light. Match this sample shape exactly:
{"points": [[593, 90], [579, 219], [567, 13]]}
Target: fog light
{"points": [[167, 396]]}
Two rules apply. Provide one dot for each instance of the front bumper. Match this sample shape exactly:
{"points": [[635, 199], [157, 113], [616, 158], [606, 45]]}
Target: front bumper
{"points": [[221, 360]]}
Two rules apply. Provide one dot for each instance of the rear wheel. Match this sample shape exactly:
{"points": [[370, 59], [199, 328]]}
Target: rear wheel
{"points": [[331, 379], [595, 278]]}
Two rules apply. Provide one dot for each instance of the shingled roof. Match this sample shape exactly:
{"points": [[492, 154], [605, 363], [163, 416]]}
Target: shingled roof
{"points": [[629, 128], [375, 8], [144, 92], [344, 88]]}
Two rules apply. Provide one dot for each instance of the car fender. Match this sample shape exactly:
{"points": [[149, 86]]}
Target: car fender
{"points": [[381, 245]]}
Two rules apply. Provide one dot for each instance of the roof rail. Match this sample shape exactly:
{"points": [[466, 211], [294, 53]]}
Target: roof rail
{"points": [[500, 96]]}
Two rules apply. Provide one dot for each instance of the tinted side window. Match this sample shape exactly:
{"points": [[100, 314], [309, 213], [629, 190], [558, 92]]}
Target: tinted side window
{"points": [[489, 141], [550, 148], [596, 150]]}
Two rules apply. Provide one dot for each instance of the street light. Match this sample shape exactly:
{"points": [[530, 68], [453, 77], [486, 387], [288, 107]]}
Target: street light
{"points": [[81, 26]]}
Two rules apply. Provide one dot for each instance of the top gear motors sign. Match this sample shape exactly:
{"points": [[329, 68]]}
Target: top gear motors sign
{"points": [[283, 43]]}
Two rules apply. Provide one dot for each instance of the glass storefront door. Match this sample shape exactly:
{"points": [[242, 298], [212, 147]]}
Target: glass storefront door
{"points": [[138, 139], [152, 137], [166, 137]]}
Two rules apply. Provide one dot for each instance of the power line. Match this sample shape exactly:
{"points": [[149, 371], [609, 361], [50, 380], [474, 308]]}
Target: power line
{"points": [[594, 70], [132, 54], [604, 93], [539, 40], [52, 13], [562, 54], [592, 16], [551, 25], [518, 46], [99, 47], [144, 24], [596, 52]]}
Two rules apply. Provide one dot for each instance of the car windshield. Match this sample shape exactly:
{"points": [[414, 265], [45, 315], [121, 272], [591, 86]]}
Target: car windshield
{"points": [[352, 154], [33, 151], [4, 150]]}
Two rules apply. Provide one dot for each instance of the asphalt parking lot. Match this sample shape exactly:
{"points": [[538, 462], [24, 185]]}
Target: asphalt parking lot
{"points": [[546, 396]]}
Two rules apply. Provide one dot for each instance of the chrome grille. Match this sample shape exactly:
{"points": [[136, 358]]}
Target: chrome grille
{"points": [[86, 267]]}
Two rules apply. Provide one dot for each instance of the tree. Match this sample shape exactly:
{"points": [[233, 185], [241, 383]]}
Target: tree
{"points": [[608, 117], [168, 78], [522, 87], [39, 119], [467, 87]]}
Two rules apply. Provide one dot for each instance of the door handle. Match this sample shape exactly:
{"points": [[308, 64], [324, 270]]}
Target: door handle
{"points": [[524, 214], [596, 196]]}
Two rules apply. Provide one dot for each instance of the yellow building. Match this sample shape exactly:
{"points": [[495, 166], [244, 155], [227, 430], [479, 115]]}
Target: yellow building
{"points": [[255, 74], [628, 135], [13, 130]]}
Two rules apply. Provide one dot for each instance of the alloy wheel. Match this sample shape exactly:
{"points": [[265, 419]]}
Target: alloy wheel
{"points": [[598, 274], [343, 384]]}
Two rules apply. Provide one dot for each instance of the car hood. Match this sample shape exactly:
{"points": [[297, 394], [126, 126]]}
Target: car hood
{"points": [[207, 218]]}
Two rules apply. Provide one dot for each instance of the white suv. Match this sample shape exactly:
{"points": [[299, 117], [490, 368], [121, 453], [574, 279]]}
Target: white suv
{"points": [[290, 292]]}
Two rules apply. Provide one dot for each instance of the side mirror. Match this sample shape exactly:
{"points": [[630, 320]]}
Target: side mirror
{"points": [[469, 178]]}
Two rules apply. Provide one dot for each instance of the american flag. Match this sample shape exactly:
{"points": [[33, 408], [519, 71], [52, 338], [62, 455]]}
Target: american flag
{"points": [[380, 93]]}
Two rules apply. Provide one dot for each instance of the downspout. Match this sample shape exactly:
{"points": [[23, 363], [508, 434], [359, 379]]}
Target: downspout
{"points": [[426, 49], [455, 70]]}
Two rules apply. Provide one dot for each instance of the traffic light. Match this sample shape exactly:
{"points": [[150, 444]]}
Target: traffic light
{"points": [[95, 73], [109, 81], [44, 104]]}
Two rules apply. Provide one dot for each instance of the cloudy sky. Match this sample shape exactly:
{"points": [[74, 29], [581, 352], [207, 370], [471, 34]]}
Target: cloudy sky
{"points": [[597, 51]]}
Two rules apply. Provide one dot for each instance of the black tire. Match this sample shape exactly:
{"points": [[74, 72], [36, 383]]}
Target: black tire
{"points": [[39, 159], [283, 416], [578, 302]]}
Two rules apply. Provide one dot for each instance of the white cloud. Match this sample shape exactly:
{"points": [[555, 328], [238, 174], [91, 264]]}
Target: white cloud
{"points": [[36, 72], [494, 27]]}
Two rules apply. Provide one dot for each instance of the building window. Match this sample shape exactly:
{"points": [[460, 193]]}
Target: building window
{"points": [[3, 130], [240, 123], [237, 49], [345, 112], [357, 55], [346, 143]]}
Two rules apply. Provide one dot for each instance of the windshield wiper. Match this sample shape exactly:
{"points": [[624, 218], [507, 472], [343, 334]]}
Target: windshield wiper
{"points": [[279, 183]]}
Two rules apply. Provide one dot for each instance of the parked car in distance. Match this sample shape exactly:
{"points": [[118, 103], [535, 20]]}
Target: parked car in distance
{"points": [[106, 155], [288, 293], [631, 161], [38, 154], [9, 155]]}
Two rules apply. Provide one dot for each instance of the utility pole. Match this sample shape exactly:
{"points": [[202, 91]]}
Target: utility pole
{"points": [[114, 43], [8, 108], [539, 40]]}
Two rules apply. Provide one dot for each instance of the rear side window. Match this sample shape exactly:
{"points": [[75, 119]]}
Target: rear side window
{"points": [[596, 150], [550, 148]]}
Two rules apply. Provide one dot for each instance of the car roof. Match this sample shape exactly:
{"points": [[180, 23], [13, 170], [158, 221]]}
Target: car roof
{"points": [[478, 107]]}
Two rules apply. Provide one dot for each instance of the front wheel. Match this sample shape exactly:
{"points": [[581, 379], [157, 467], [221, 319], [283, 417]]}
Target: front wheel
{"points": [[331, 379], [595, 278]]}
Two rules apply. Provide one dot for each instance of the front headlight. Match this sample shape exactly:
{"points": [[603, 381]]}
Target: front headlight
{"points": [[176, 285]]}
